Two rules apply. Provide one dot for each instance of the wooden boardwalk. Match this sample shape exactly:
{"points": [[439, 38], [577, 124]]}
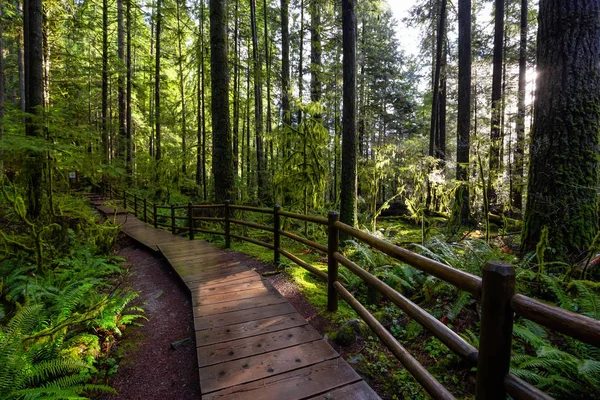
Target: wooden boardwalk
{"points": [[251, 343]]}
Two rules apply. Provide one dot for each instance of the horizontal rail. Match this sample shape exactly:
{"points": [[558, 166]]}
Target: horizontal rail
{"points": [[255, 241], [569, 323], [164, 225], [425, 379], [439, 330], [521, 390], [181, 218], [251, 225], [309, 218], [249, 208], [208, 205], [209, 219], [208, 231], [315, 271], [179, 207], [462, 280], [305, 241]]}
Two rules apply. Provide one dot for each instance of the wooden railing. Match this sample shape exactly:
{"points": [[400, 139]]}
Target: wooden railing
{"points": [[495, 290]]}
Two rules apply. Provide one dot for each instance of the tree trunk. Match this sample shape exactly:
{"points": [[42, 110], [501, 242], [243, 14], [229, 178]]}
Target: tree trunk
{"points": [[268, 73], [236, 92], [301, 62], [122, 138], [435, 103], [157, 133], [105, 138], [285, 64], [563, 177], [222, 165], [258, 110], [2, 95], [517, 194], [495, 136], [181, 91], [316, 64], [129, 143], [20, 59], [34, 101], [348, 180], [464, 109]]}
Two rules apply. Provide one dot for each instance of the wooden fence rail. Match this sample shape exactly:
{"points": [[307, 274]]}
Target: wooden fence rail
{"points": [[495, 290]]}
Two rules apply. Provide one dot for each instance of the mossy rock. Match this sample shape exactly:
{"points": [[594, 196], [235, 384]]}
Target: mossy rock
{"points": [[348, 333]]}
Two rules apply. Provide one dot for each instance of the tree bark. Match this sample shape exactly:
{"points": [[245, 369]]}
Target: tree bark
{"points": [[157, 132], [435, 104], [34, 101], [2, 94], [105, 138], [181, 91], [316, 64], [518, 185], [464, 109], [222, 165], [258, 110], [128, 139], [236, 91], [301, 62], [349, 145], [495, 135], [563, 175], [20, 58], [122, 138], [285, 64]]}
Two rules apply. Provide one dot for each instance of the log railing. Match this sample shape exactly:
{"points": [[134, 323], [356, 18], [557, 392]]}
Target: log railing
{"points": [[495, 291]]}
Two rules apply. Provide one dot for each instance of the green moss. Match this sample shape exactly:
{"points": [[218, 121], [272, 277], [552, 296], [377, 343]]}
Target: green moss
{"points": [[345, 336]]}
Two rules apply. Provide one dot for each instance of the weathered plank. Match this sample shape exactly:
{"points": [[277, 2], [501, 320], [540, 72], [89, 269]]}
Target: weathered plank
{"points": [[293, 385], [234, 312], [221, 376], [202, 299], [356, 391], [236, 349], [248, 329]]}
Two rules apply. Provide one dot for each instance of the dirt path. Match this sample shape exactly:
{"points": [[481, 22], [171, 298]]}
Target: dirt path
{"points": [[150, 368]]}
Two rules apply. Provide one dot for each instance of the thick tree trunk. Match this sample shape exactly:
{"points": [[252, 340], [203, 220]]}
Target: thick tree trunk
{"points": [[2, 94], [122, 138], [258, 110], [222, 165], [316, 65], [285, 64], [236, 91], [518, 185], [495, 136], [128, 140], [182, 92], [269, 127], [34, 101], [301, 62], [20, 58], [157, 132], [105, 138], [563, 177], [435, 104], [464, 109], [349, 145]]}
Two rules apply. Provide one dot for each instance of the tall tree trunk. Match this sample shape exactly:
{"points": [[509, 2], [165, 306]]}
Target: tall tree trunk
{"points": [[202, 106], [222, 165], [517, 194], [440, 145], [268, 73], [248, 167], [236, 91], [301, 62], [2, 94], [122, 139], [315, 53], [348, 181], [362, 101], [20, 58], [151, 95], [34, 100], [157, 133], [464, 109], [182, 91], [563, 174], [105, 138], [128, 140], [285, 64], [435, 104], [495, 135], [258, 110]]}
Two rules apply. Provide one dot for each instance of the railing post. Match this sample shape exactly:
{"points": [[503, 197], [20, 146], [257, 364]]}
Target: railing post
{"points": [[332, 264], [495, 340], [227, 225], [190, 220], [135, 205], [173, 219], [276, 235], [125, 200], [154, 212], [145, 210]]}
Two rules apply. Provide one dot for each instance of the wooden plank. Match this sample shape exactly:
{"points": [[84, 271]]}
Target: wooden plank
{"points": [[201, 299], [233, 350], [209, 282], [233, 312], [356, 391], [293, 385], [240, 284], [248, 329], [213, 274], [236, 372]]}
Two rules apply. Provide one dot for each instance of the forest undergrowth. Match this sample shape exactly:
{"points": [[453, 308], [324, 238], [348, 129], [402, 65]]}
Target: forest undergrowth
{"points": [[62, 299]]}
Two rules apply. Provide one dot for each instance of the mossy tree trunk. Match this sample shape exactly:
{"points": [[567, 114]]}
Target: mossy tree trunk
{"points": [[222, 151], [563, 176]]}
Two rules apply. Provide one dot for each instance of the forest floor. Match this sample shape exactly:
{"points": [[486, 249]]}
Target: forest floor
{"points": [[148, 367]]}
